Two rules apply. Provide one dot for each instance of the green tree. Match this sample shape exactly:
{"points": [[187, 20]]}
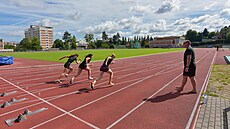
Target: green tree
{"points": [[58, 44], [205, 33], [105, 45], [7, 46], [104, 36], [98, 43], [88, 37], [25, 44], [35, 44], [92, 45], [73, 42], [67, 39], [211, 35], [199, 37], [123, 41], [191, 35], [228, 36], [116, 39], [224, 31], [30, 44]]}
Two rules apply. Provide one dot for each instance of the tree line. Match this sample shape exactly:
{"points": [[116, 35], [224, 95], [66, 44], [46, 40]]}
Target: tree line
{"points": [[69, 41]]}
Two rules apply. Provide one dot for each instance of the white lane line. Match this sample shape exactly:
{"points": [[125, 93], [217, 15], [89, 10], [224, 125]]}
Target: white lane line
{"points": [[57, 97], [198, 99], [51, 98], [117, 121], [103, 97], [106, 96], [38, 91], [36, 66], [90, 102], [65, 112], [84, 76]]}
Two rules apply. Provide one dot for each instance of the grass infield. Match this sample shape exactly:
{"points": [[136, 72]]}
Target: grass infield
{"points": [[97, 54], [219, 82]]}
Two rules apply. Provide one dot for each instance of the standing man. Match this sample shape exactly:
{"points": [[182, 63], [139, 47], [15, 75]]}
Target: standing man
{"points": [[189, 67]]}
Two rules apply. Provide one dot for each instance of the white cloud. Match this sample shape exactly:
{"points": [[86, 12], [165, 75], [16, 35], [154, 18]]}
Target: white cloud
{"points": [[114, 26], [124, 1], [141, 9], [128, 17], [75, 16], [47, 22], [227, 4], [212, 22], [225, 12], [168, 6], [211, 6], [16, 33], [27, 3], [129, 23], [59, 33], [200, 19]]}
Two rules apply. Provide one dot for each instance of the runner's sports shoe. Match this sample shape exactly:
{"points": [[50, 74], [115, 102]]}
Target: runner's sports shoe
{"points": [[58, 81], [71, 81], [111, 83], [179, 89], [90, 78], [92, 85], [66, 75]]}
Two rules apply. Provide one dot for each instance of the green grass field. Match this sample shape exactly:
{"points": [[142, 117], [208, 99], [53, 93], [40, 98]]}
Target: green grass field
{"points": [[97, 54]]}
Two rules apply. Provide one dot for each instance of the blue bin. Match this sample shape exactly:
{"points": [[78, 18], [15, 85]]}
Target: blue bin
{"points": [[6, 60]]}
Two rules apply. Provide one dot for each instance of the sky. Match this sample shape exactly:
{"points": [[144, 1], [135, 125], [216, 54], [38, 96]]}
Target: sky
{"points": [[129, 18]]}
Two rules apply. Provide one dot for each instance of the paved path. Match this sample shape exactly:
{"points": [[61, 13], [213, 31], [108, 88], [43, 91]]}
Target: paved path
{"points": [[215, 114]]}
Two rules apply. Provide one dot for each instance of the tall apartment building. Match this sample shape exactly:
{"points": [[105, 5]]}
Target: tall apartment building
{"points": [[43, 33], [1, 44]]}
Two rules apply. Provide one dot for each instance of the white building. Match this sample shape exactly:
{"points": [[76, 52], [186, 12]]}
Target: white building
{"points": [[170, 41]]}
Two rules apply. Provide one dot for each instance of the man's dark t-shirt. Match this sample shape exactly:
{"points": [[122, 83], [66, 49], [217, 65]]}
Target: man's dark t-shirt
{"points": [[192, 66], [189, 51]]}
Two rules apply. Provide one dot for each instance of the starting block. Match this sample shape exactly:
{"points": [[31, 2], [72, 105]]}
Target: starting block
{"points": [[7, 93], [13, 100], [22, 117]]}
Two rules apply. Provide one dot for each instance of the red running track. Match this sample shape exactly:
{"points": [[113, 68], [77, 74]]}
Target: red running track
{"points": [[143, 96]]}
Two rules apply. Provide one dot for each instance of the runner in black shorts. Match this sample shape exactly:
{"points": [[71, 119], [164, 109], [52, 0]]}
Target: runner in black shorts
{"points": [[189, 67], [105, 68], [67, 66], [84, 66]]}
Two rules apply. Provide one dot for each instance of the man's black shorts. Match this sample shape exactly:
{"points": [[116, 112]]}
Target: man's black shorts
{"points": [[191, 71]]}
